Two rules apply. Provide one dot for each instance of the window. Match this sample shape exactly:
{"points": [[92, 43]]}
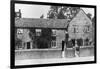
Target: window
{"points": [[86, 29], [53, 32], [53, 43], [28, 45], [38, 32], [19, 31], [53, 38], [75, 29]]}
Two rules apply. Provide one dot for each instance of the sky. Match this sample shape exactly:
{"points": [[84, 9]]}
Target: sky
{"points": [[35, 11]]}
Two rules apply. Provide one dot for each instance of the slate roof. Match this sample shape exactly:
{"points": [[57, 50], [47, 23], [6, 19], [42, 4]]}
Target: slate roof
{"points": [[41, 23]]}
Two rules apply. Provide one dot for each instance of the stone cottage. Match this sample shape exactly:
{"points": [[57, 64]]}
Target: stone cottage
{"points": [[80, 27], [58, 28]]}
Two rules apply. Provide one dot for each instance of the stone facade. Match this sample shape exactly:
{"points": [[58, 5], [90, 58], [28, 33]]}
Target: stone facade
{"points": [[60, 35], [80, 26]]}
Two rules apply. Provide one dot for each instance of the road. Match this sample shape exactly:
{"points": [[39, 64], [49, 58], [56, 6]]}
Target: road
{"points": [[55, 60]]}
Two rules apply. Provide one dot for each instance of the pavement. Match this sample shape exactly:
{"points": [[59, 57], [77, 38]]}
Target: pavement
{"points": [[54, 60]]}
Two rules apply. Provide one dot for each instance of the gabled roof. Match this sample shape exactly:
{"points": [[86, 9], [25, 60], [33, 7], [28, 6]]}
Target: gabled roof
{"points": [[81, 15], [41, 23], [46, 23], [81, 20]]}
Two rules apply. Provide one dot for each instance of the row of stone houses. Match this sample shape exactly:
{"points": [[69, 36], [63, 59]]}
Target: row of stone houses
{"points": [[79, 30]]}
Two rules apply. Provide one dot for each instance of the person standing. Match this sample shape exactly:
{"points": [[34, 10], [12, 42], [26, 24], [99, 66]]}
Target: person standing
{"points": [[63, 45]]}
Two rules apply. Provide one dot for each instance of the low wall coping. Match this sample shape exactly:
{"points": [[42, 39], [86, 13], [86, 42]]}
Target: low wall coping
{"points": [[86, 46], [37, 50], [69, 48]]}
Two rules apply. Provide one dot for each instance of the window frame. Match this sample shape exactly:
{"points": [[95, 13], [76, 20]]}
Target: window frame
{"points": [[38, 32]]}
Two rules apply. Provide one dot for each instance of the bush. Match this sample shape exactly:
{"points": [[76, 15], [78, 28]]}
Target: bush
{"points": [[18, 42], [42, 43]]}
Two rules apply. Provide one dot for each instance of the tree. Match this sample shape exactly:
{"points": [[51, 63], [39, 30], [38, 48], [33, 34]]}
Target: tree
{"points": [[89, 15], [18, 42], [42, 16], [44, 40], [62, 12], [51, 14], [93, 21]]}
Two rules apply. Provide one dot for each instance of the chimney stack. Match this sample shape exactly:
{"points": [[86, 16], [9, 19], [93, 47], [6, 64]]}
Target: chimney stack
{"points": [[18, 14]]}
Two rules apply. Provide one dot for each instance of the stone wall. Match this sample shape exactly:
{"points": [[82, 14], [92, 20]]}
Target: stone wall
{"points": [[82, 24], [86, 51], [37, 54], [52, 53], [69, 52], [60, 35]]}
